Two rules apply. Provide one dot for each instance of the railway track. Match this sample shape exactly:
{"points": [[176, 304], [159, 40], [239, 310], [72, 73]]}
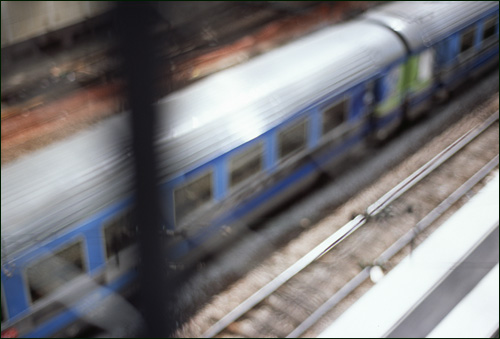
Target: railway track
{"points": [[300, 296]]}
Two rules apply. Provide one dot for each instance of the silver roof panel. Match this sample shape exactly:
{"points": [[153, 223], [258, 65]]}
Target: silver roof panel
{"points": [[423, 23], [235, 106]]}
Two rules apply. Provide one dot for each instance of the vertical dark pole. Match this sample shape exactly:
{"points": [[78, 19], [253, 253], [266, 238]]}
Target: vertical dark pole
{"points": [[135, 21]]}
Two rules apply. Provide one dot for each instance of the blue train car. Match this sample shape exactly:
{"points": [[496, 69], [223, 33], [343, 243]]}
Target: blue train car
{"points": [[231, 147], [447, 43], [245, 138]]}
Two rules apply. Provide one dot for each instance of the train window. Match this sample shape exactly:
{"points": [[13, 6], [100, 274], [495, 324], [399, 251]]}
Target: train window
{"points": [[192, 195], [245, 164], [47, 275], [292, 139], [467, 41], [119, 234], [489, 27], [335, 115], [425, 65]]}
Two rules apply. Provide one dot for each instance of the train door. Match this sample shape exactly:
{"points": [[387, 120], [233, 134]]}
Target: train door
{"points": [[419, 81], [388, 107]]}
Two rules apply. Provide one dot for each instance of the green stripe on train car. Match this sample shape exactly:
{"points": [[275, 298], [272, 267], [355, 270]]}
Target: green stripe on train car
{"points": [[417, 78], [395, 99]]}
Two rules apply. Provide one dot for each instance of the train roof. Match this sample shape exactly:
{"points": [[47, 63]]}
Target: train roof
{"points": [[60, 185], [235, 106], [423, 23], [54, 188]]}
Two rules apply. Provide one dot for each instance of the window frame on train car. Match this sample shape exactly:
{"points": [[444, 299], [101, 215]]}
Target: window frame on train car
{"points": [[257, 150], [490, 19], [287, 129], [467, 32], [210, 172], [110, 222], [344, 103], [84, 269]]}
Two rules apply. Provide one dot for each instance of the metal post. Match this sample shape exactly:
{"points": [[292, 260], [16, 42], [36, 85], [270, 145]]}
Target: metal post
{"points": [[135, 21]]}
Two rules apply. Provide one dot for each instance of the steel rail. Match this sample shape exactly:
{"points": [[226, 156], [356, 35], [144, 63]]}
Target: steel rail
{"points": [[277, 282], [435, 162], [408, 237], [349, 228], [417, 176]]}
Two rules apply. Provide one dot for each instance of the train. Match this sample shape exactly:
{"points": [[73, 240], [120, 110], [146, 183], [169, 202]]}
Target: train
{"points": [[233, 145]]}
